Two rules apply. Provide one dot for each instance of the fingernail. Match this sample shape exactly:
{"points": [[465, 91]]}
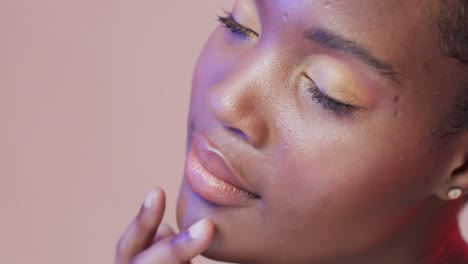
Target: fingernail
{"points": [[196, 230], [150, 198]]}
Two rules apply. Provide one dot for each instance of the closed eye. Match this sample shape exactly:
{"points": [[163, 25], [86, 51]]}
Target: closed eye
{"points": [[236, 28], [329, 103]]}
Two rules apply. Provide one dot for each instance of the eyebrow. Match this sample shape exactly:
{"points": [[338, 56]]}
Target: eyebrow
{"points": [[339, 43]]}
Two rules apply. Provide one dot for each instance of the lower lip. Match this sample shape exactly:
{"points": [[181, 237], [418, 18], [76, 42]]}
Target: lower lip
{"points": [[210, 187]]}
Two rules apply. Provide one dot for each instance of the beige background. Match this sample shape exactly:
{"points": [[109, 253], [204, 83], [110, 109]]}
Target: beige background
{"points": [[93, 103]]}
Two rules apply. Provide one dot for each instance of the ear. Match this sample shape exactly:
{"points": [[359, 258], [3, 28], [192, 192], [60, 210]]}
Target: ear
{"points": [[456, 176]]}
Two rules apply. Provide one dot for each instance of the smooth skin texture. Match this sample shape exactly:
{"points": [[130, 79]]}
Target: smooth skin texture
{"points": [[147, 240], [328, 110]]}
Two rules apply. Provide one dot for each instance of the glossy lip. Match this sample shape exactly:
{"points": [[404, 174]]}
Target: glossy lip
{"points": [[210, 176]]}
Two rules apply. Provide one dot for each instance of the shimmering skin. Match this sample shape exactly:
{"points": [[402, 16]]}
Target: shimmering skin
{"points": [[361, 188]]}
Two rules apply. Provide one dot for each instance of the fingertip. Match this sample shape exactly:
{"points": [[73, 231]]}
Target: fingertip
{"points": [[140, 232], [154, 196], [203, 232], [151, 213], [211, 227], [183, 246], [200, 229]]}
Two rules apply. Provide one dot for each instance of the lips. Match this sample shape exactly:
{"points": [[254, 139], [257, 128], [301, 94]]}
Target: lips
{"points": [[211, 177]]}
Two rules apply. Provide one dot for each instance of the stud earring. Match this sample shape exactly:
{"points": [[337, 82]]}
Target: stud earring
{"points": [[454, 193]]}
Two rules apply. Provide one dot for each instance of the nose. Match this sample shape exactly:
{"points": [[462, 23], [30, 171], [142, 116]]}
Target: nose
{"points": [[239, 109]]}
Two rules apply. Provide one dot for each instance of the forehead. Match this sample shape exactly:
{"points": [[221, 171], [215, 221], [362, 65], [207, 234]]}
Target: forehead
{"points": [[354, 13], [361, 6]]}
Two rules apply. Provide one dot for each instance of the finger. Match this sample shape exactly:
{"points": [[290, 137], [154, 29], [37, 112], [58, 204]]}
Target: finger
{"points": [[164, 230], [139, 235], [180, 248]]}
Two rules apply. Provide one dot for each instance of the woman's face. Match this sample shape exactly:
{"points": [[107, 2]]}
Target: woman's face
{"points": [[324, 111]]}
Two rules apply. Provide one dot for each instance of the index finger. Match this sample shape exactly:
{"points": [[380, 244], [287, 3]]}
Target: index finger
{"points": [[139, 235]]}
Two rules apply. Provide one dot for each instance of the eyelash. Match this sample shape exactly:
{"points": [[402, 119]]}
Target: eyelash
{"points": [[229, 22], [330, 104], [327, 102]]}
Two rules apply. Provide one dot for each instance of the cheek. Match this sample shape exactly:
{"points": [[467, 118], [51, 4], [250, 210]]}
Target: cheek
{"points": [[215, 62], [355, 188]]}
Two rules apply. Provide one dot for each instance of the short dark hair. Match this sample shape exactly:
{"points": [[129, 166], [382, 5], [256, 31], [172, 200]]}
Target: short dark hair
{"points": [[453, 28]]}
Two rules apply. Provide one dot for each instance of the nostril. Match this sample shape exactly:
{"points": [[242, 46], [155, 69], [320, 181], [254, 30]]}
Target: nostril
{"points": [[239, 133]]}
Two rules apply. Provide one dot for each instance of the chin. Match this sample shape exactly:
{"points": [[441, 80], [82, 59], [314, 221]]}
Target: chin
{"points": [[230, 244]]}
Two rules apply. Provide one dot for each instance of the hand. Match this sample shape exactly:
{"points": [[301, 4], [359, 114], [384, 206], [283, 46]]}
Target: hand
{"points": [[147, 241]]}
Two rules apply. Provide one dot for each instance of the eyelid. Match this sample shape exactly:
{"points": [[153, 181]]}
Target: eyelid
{"points": [[330, 103], [343, 79], [229, 21], [332, 98], [248, 12]]}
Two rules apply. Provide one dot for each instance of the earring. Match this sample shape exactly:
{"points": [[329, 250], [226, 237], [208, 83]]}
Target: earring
{"points": [[454, 193]]}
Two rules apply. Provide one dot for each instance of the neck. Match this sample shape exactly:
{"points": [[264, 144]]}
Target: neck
{"points": [[429, 235], [447, 245]]}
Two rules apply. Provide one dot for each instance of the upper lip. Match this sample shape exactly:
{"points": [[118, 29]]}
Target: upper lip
{"points": [[214, 161]]}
